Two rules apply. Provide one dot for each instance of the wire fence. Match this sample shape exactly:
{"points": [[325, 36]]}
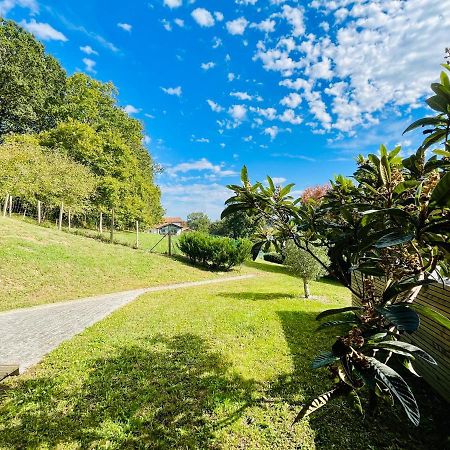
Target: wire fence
{"points": [[102, 226]]}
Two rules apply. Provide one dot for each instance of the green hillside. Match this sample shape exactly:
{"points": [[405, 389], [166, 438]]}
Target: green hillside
{"points": [[41, 265]]}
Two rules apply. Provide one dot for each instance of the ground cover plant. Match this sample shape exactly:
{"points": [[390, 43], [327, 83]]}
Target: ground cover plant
{"points": [[214, 252], [41, 265], [392, 222], [216, 367]]}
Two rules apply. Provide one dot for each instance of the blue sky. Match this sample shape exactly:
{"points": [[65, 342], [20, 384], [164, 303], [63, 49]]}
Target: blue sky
{"points": [[294, 89]]}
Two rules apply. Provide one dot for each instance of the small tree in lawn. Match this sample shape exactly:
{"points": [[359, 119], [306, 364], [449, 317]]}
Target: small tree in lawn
{"points": [[302, 264]]}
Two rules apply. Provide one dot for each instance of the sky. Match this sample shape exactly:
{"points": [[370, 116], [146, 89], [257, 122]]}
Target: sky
{"points": [[292, 89]]}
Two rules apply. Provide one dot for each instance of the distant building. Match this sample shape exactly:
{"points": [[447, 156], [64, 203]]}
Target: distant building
{"points": [[171, 225]]}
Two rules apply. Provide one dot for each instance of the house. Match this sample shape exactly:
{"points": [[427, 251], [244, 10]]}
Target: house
{"points": [[171, 225]]}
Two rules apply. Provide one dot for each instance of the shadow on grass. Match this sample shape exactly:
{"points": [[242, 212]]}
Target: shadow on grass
{"points": [[256, 296], [338, 425], [159, 394], [269, 267]]}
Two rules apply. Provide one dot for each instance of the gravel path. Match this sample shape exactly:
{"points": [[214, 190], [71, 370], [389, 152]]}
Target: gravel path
{"points": [[28, 334]]}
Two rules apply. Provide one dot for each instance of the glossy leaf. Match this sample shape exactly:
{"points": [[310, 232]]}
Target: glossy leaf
{"points": [[408, 348], [324, 359], [403, 317], [330, 312]]}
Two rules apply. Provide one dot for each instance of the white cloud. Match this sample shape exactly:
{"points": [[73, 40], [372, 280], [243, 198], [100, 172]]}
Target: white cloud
{"points": [[179, 22], [147, 139], [267, 25], [203, 17], [89, 65], [237, 26], [231, 76], [173, 91], [173, 3], [207, 66], [201, 165], [272, 132], [166, 24], [241, 95], [238, 112], [7, 5], [278, 180], [267, 113], [291, 100], [88, 50], [295, 18], [43, 31], [214, 106], [218, 15], [130, 109], [290, 117], [125, 26]]}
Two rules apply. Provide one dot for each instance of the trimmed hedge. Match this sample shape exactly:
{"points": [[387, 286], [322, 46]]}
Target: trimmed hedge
{"points": [[274, 257], [213, 251]]}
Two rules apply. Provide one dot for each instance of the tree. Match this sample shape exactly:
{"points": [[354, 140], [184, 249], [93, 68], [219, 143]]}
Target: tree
{"points": [[237, 225], [315, 193], [392, 224], [198, 221], [302, 264], [32, 83]]}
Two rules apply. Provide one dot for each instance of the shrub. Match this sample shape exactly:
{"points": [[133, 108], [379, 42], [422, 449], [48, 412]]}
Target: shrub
{"points": [[302, 264], [274, 257], [213, 251]]}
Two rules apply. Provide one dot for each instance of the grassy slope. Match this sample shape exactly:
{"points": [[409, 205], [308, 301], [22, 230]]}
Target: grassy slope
{"points": [[217, 367], [40, 265]]}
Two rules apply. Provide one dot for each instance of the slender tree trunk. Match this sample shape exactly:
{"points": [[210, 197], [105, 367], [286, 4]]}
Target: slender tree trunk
{"points": [[111, 237], [61, 211], [69, 217], [170, 244], [5, 206], [306, 287], [100, 224], [137, 233], [39, 211], [10, 205]]}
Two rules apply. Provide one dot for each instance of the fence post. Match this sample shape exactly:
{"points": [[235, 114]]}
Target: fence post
{"points": [[100, 224], [39, 211], [10, 205], [61, 210], [170, 243], [70, 218], [137, 233], [111, 238], [5, 206]]}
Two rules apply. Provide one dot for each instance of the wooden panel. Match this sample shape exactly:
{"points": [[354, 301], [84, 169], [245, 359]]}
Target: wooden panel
{"points": [[8, 370], [431, 336]]}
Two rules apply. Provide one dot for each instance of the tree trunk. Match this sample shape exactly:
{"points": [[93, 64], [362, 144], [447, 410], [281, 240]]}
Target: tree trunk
{"points": [[111, 237], [137, 233], [61, 211], [70, 218], [306, 287], [5, 206], [100, 224], [39, 211], [10, 205]]}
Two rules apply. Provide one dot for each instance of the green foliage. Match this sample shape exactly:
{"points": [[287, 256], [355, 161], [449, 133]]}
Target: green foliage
{"points": [[391, 220], [198, 221], [33, 173], [80, 118], [302, 264], [32, 83], [274, 257], [237, 225], [213, 251]]}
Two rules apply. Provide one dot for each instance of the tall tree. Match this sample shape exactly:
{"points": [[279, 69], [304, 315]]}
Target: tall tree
{"points": [[198, 221], [32, 83]]}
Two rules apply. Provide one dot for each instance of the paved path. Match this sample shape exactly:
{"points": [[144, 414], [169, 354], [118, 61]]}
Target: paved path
{"points": [[28, 334]]}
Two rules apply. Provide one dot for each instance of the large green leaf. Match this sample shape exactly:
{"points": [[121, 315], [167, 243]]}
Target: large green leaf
{"points": [[437, 103], [330, 312], [425, 121], [398, 287], [403, 317], [394, 238], [324, 359], [441, 193], [335, 323], [432, 314], [398, 387], [408, 348]]}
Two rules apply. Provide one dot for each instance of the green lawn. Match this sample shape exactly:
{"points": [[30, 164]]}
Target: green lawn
{"points": [[42, 265], [216, 367]]}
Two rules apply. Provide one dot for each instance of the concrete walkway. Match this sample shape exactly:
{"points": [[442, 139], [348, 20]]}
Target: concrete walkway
{"points": [[28, 334]]}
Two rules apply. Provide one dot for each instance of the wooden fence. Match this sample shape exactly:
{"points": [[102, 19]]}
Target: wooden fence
{"points": [[431, 336]]}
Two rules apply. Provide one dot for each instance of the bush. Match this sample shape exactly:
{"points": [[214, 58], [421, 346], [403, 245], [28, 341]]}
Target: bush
{"points": [[274, 257], [213, 251]]}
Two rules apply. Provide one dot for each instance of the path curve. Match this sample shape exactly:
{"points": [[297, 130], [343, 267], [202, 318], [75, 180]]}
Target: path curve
{"points": [[28, 334]]}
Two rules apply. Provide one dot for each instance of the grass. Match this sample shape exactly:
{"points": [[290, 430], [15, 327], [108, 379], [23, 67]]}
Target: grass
{"points": [[216, 367], [42, 265]]}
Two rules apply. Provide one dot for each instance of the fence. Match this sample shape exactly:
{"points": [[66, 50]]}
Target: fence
{"points": [[431, 335], [102, 227]]}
